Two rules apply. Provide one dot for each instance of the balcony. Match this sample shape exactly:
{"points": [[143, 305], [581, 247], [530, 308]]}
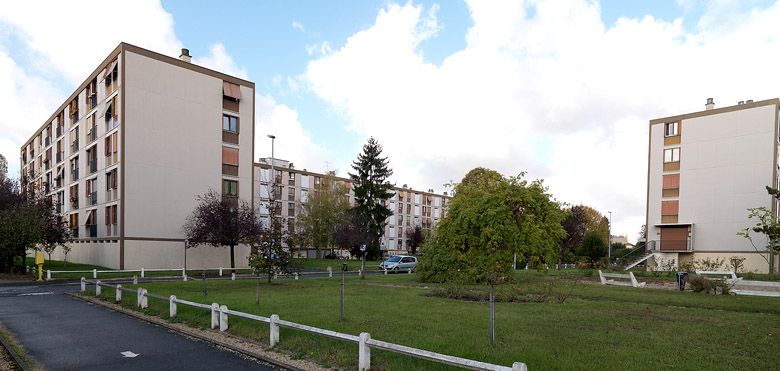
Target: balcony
{"points": [[111, 195], [74, 174], [74, 117], [92, 101], [58, 131], [112, 230], [111, 123], [90, 230], [74, 232], [46, 164], [47, 141], [74, 147], [74, 203], [670, 245], [59, 156], [58, 207], [92, 166], [46, 188], [112, 159], [92, 197], [92, 134], [290, 212]]}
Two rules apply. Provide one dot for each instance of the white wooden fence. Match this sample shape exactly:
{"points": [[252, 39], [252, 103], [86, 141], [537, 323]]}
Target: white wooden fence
{"points": [[142, 272], [220, 316]]}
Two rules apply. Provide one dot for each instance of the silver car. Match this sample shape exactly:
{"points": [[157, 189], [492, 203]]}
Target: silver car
{"points": [[399, 263]]}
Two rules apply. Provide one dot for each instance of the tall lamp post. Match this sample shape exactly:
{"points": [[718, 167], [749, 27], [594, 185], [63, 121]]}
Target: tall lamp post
{"points": [[609, 238]]}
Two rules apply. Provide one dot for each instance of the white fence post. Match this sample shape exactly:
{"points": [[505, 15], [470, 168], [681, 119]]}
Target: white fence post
{"points": [[519, 366], [274, 336], [144, 299], [330, 271], [184, 274], [296, 276], [48, 275], [223, 318], [410, 270], [138, 297], [364, 352], [118, 296], [135, 280], [97, 288], [143, 273], [94, 273], [172, 306], [83, 284], [214, 315], [232, 276], [220, 271], [385, 270]]}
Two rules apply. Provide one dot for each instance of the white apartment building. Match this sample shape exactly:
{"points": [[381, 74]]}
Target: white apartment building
{"points": [[705, 169], [126, 154], [410, 207]]}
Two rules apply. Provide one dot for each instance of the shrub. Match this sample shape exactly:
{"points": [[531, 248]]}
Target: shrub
{"points": [[699, 283]]}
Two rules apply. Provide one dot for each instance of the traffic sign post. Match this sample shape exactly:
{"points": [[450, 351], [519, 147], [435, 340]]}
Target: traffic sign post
{"points": [[362, 259]]}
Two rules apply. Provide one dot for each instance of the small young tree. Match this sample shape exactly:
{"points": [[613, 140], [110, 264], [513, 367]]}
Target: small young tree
{"points": [[593, 246], [55, 234], [319, 215], [351, 234], [415, 237], [767, 225], [372, 190], [221, 221], [270, 255]]}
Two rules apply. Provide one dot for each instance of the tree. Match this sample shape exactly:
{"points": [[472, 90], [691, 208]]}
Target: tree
{"points": [[269, 254], [767, 225], [3, 167], [319, 215], [491, 218], [372, 190], [593, 246], [220, 221], [581, 219], [350, 234], [55, 234], [415, 238]]}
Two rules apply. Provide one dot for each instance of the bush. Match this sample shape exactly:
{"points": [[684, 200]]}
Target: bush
{"points": [[699, 283]]}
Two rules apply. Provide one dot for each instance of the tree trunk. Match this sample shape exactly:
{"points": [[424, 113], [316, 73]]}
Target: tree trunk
{"points": [[232, 259]]}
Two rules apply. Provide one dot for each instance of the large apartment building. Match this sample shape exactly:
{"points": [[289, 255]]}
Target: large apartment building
{"points": [[410, 207], [126, 154], [705, 169]]}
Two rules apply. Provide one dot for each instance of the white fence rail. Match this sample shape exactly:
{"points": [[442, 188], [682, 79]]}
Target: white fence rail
{"points": [[220, 315], [142, 271]]}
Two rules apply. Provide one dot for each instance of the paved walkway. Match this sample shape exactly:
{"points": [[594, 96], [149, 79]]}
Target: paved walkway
{"points": [[65, 333]]}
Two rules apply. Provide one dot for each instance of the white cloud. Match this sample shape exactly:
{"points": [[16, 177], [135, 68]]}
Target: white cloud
{"points": [[219, 60], [298, 26], [293, 142], [553, 91]]}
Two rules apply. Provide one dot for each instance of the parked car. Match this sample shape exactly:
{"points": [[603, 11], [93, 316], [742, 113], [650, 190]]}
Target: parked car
{"points": [[399, 263]]}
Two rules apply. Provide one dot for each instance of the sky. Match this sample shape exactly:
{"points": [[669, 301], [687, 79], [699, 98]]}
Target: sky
{"points": [[561, 90]]}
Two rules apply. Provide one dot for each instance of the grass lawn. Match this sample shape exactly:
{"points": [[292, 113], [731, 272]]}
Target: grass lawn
{"points": [[335, 264], [598, 327]]}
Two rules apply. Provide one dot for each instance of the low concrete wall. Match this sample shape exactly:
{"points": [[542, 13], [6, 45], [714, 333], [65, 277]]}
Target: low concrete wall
{"points": [[754, 262], [105, 254], [165, 254]]}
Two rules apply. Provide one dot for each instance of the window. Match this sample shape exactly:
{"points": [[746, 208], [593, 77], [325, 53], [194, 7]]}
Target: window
{"points": [[671, 129], [230, 156], [111, 76], [230, 124], [229, 188], [291, 194], [408, 208], [291, 178], [672, 155]]}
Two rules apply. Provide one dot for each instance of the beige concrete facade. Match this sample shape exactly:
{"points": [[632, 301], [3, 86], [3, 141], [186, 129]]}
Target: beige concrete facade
{"points": [[416, 207], [140, 139], [705, 169]]}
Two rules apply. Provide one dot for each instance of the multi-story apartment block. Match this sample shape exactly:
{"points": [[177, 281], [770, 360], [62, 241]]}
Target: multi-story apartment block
{"points": [[410, 207], [126, 154], [705, 169]]}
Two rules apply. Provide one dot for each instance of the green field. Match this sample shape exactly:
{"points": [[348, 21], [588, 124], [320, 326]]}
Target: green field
{"points": [[335, 264], [597, 327]]}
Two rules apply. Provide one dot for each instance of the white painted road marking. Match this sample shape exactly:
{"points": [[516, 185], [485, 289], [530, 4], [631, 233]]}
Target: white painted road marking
{"points": [[36, 293], [129, 354]]}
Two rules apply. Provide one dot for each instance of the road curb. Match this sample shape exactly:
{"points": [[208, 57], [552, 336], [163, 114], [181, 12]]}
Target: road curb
{"points": [[163, 323], [18, 360]]}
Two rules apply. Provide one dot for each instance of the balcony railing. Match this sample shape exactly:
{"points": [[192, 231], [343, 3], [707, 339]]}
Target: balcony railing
{"points": [[111, 123], [112, 230], [74, 232], [58, 131], [91, 230], [74, 117], [111, 195], [92, 198], [74, 147], [92, 166], [92, 134], [46, 164], [59, 156], [111, 159], [670, 245], [92, 101], [74, 203], [47, 141], [74, 174], [58, 207]]}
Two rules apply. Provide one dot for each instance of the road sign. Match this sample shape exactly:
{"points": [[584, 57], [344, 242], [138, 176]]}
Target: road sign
{"points": [[363, 248]]}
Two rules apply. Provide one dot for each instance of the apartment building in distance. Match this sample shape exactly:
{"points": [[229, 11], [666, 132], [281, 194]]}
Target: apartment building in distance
{"points": [[126, 154], [705, 169], [410, 207]]}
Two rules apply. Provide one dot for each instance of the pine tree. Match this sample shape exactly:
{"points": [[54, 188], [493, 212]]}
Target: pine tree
{"points": [[371, 193]]}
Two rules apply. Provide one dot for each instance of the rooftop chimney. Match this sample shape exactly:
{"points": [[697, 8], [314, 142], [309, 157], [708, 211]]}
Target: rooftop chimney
{"points": [[185, 55], [741, 102], [749, 101], [710, 104]]}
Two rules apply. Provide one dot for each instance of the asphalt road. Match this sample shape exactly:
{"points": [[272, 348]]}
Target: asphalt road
{"points": [[65, 333]]}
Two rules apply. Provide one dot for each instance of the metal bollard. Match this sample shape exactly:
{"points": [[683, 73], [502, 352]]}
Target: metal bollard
{"points": [[172, 306], [214, 315], [94, 273], [83, 284], [118, 296], [97, 288], [48, 275], [274, 336], [223, 318], [385, 270], [364, 352]]}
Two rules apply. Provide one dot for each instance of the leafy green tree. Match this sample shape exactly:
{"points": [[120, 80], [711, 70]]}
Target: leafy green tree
{"points": [[372, 190], [220, 221], [322, 212], [593, 246], [768, 226], [580, 220], [489, 220]]}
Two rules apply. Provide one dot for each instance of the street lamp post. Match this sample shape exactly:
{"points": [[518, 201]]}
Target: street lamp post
{"points": [[609, 238]]}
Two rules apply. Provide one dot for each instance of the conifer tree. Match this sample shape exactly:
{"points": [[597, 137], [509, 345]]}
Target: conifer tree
{"points": [[372, 190]]}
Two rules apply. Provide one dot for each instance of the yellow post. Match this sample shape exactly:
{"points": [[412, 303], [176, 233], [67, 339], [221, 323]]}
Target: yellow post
{"points": [[39, 259]]}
